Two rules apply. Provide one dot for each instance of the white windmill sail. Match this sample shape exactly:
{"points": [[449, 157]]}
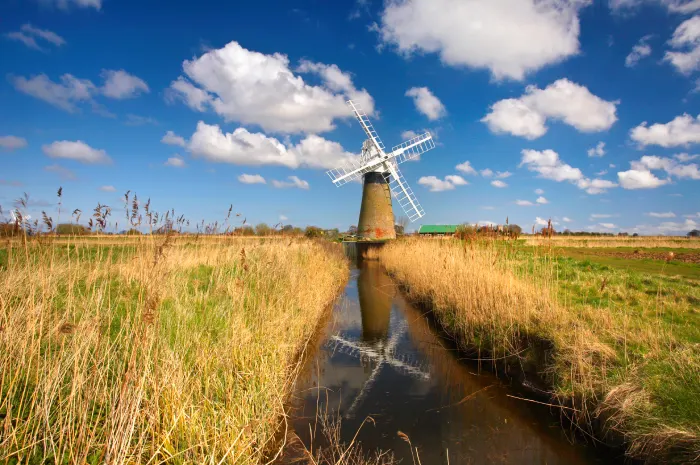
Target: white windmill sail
{"points": [[377, 160]]}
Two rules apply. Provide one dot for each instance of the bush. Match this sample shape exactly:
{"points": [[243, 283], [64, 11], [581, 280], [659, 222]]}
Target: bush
{"points": [[71, 229]]}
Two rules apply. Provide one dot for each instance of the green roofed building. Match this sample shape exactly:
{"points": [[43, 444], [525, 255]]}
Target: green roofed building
{"points": [[438, 229]]}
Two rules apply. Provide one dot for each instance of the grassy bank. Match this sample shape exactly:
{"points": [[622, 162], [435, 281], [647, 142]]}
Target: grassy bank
{"points": [[622, 347], [162, 350]]}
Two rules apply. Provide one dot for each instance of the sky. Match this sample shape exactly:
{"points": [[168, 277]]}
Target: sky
{"points": [[585, 112]]}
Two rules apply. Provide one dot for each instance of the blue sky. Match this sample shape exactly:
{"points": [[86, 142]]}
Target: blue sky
{"points": [[584, 112]]}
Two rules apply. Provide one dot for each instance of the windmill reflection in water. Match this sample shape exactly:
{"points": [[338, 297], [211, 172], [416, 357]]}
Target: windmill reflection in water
{"points": [[377, 348]]}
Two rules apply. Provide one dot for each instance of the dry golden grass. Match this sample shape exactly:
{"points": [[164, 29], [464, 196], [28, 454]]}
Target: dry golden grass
{"points": [[605, 345], [155, 350], [612, 241]]}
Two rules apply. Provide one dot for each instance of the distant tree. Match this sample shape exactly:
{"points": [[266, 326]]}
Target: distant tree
{"points": [[244, 231], [287, 229], [694, 233], [399, 229], [313, 231], [635, 235], [69, 228], [352, 230], [402, 221], [513, 230], [262, 229], [9, 229], [133, 232]]}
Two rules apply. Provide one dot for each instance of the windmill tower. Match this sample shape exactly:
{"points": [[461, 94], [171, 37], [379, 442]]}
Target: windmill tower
{"points": [[381, 180]]}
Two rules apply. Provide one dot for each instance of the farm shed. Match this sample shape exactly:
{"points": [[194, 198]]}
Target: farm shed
{"points": [[438, 229]]}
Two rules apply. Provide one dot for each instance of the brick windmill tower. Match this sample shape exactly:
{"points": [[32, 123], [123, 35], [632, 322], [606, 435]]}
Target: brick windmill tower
{"points": [[381, 180]]}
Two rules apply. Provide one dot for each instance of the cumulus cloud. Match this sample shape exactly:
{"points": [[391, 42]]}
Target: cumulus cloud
{"points": [[667, 227], [567, 220], [549, 166], [294, 181], [669, 165], [539, 191], [524, 203], [541, 221], [640, 50], [466, 167], [562, 100], [108, 189], [29, 34], [510, 38], [76, 150], [681, 131], [608, 225], [65, 4], [242, 147], [597, 216], [12, 142], [597, 151], [171, 138], [498, 183], [427, 103], [673, 6], [684, 157], [686, 42], [254, 88], [640, 179], [121, 85], [661, 214], [176, 162], [542, 201], [437, 185], [71, 91], [251, 179]]}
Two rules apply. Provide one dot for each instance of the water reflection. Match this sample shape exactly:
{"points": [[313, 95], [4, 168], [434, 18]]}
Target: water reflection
{"points": [[381, 358]]}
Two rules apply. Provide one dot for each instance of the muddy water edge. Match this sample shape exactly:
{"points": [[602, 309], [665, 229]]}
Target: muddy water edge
{"points": [[380, 357]]}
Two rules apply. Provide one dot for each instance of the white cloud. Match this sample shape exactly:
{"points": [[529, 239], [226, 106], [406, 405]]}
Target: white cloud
{"points": [[63, 173], [29, 34], [283, 218], [65, 4], [121, 85], [466, 167], [607, 225], [108, 189], [640, 50], [542, 201], [684, 157], [686, 37], [602, 173], [251, 179], [503, 174], [176, 162], [427, 103], [540, 221], [562, 100], [254, 88], [640, 179], [598, 150], [456, 180], [64, 95], [12, 142], [549, 166], [524, 203], [596, 216], [662, 214], [171, 138], [539, 191], [673, 6], [294, 181], [682, 130], [137, 120], [437, 185], [242, 147], [509, 38], [499, 184], [75, 150], [487, 173], [669, 165], [407, 135], [567, 220]]}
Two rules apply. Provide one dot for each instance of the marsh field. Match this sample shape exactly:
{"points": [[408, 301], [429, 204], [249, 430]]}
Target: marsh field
{"points": [[185, 348]]}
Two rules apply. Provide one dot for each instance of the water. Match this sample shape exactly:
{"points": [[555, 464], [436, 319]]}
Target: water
{"points": [[380, 357]]}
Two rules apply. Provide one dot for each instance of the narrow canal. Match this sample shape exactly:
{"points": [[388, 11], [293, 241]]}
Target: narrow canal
{"points": [[379, 357]]}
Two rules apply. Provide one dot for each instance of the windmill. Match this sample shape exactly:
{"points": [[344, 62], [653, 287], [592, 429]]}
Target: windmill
{"points": [[382, 179]]}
